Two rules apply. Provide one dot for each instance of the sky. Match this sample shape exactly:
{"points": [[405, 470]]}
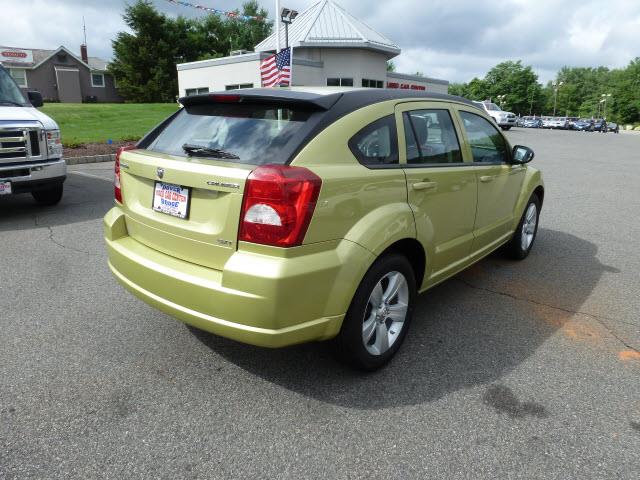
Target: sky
{"points": [[455, 40]]}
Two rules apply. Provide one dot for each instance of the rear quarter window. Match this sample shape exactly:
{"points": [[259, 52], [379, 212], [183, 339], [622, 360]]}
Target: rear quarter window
{"points": [[376, 145], [250, 133]]}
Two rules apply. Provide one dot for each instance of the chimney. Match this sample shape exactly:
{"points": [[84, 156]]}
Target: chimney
{"points": [[83, 53]]}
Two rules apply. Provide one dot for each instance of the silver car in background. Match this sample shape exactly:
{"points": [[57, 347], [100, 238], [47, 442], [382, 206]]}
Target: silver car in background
{"points": [[505, 120]]}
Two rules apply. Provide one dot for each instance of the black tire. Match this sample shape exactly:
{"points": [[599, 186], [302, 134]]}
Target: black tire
{"points": [[349, 345], [515, 248], [48, 196], [506, 128]]}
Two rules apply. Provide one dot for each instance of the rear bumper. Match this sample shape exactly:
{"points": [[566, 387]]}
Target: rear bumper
{"points": [[264, 300]]}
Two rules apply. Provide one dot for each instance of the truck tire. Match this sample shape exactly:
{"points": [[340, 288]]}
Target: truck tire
{"points": [[48, 196], [506, 128]]}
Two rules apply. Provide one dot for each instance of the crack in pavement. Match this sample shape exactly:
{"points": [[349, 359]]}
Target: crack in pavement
{"points": [[55, 242], [597, 318]]}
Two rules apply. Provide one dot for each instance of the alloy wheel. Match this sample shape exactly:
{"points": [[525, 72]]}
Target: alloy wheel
{"points": [[385, 313], [529, 226]]}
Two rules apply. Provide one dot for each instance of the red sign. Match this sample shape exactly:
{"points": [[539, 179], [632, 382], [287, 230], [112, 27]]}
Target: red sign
{"points": [[16, 55], [8, 53], [405, 86]]}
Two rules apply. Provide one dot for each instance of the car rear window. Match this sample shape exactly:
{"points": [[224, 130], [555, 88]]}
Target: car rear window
{"points": [[242, 133]]}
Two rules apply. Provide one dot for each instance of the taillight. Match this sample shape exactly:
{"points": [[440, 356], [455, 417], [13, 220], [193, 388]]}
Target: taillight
{"points": [[117, 190], [278, 204]]}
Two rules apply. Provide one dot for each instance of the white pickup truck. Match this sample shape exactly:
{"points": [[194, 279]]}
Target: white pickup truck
{"points": [[30, 146], [505, 120]]}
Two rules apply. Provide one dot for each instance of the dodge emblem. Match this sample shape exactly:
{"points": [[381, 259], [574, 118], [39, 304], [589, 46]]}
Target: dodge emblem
{"points": [[160, 172]]}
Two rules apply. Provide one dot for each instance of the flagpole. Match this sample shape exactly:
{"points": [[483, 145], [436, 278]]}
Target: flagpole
{"points": [[278, 26]]}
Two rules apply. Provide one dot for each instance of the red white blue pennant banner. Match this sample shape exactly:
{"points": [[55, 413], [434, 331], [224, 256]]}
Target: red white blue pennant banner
{"points": [[215, 11]]}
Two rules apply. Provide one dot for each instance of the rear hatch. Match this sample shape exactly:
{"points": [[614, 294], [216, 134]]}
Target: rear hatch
{"points": [[182, 189]]}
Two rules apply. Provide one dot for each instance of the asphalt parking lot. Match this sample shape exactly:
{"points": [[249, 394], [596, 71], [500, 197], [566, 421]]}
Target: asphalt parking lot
{"points": [[511, 370]]}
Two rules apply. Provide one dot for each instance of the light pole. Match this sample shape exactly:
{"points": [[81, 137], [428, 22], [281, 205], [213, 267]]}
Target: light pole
{"points": [[286, 16], [605, 97], [500, 99], [556, 87]]}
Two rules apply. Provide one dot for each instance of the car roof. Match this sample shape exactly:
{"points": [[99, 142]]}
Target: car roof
{"points": [[324, 97], [328, 103]]}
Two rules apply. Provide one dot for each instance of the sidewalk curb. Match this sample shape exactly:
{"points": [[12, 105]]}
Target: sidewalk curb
{"points": [[90, 159]]}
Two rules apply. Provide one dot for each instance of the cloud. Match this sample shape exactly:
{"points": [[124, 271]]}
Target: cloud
{"points": [[454, 40]]}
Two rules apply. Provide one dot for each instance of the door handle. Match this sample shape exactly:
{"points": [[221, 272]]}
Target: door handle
{"points": [[424, 185], [486, 178]]}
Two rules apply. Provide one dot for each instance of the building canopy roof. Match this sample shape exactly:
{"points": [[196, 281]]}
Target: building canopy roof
{"points": [[326, 24]]}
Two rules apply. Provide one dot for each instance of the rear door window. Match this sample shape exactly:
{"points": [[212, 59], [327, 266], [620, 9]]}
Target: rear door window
{"points": [[241, 133], [431, 137]]}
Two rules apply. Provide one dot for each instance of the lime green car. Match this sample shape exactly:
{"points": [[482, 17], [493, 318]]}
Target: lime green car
{"points": [[280, 216]]}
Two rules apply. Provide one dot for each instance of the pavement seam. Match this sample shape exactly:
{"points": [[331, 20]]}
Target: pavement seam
{"points": [[566, 310], [55, 242]]}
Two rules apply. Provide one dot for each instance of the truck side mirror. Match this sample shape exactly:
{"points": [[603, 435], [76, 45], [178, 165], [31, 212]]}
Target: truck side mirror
{"points": [[35, 98]]}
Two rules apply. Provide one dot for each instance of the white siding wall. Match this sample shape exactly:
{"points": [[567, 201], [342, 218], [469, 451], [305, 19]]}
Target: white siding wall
{"points": [[338, 62], [353, 63], [216, 77]]}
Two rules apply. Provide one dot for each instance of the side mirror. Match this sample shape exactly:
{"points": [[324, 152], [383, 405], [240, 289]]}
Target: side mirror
{"points": [[35, 98], [521, 154]]}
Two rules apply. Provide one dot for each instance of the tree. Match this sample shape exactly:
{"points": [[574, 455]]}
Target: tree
{"points": [[145, 60], [391, 67]]}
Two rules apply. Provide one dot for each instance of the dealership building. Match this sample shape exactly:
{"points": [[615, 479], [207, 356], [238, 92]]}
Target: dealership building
{"points": [[59, 75], [330, 48]]}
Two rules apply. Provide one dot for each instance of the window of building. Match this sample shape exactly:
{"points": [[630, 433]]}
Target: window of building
{"points": [[97, 79], [196, 91], [430, 137], [487, 143], [376, 144], [339, 82], [62, 57], [20, 76], [367, 83], [238, 86]]}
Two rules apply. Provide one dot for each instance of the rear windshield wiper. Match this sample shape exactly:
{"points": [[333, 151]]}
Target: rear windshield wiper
{"points": [[200, 151]]}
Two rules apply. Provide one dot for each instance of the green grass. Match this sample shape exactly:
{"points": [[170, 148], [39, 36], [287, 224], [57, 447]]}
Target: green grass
{"points": [[99, 122]]}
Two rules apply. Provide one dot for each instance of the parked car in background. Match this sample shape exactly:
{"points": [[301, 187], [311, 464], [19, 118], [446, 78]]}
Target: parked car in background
{"points": [[558, 123], [571, 121], [531, 122], [30, 146], [505, 120], [546, 122], [599, 125], [583, 125], [613, 127], [281, 216]]}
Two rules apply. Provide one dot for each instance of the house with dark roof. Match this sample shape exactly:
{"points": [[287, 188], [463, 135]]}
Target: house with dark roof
{"points": [[59, 75], [331, 47]]}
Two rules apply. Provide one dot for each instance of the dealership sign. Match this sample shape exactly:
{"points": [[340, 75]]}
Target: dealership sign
{"points": [[405, 86], [16, 55]]}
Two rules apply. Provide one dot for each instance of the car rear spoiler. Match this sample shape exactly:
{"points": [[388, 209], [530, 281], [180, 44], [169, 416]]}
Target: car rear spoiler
{"points": [[271, 96]]}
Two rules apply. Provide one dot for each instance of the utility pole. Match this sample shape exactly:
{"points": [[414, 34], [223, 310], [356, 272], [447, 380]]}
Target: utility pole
{"points": [[605, 96], [556, 87]]}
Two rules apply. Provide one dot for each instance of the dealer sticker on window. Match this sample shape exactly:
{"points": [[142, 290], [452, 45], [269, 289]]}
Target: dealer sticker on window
{"points": [[171, 199], [5, 188]]}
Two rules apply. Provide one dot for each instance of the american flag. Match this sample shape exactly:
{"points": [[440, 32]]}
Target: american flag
{"points": [[276, 70]]}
